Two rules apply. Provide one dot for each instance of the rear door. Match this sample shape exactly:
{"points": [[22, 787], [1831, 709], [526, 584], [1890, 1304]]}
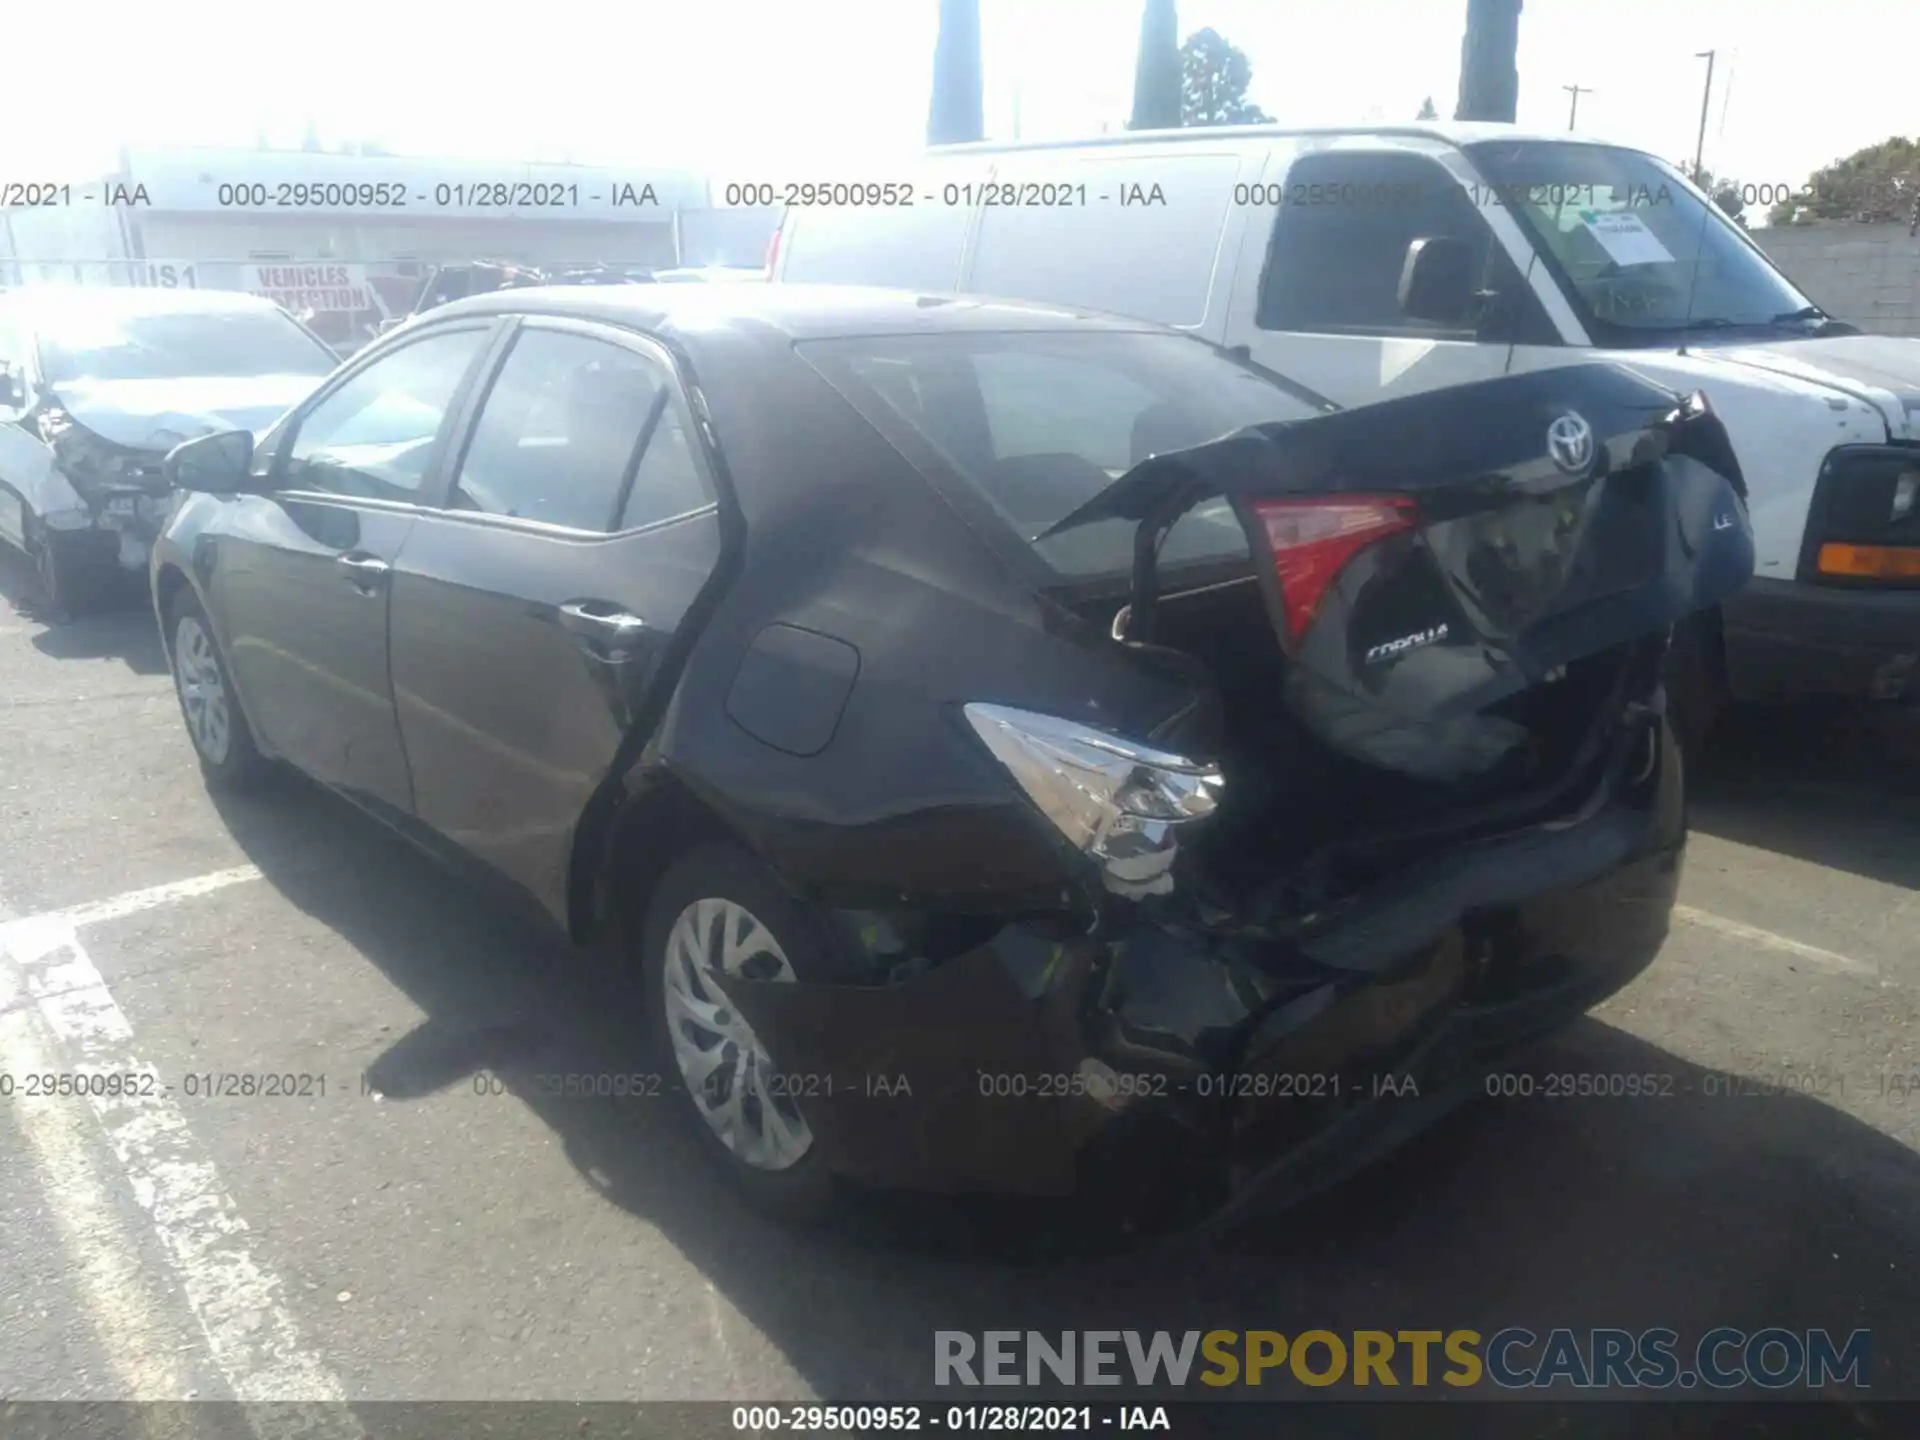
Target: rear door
{"points": [[300, 572], [534, 604]]}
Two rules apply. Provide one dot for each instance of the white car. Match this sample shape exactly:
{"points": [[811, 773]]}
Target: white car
{"points": [[1371, 263], [98, 384]]}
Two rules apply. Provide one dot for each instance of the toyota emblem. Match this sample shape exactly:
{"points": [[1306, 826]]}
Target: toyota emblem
{"points": [[1570, 443]]}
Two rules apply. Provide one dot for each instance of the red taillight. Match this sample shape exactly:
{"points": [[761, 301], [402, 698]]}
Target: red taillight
{"points": [[773, 249], [1312, 541]]}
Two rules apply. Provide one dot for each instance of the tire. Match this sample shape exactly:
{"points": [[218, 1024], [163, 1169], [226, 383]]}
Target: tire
{"points": [[217, 727], [73, 580], [786, 1180]]}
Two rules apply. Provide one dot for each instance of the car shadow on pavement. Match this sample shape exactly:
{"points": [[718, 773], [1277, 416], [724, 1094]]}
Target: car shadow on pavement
{"points": [[1836, 786], [1692, 1207], [123, 629]]}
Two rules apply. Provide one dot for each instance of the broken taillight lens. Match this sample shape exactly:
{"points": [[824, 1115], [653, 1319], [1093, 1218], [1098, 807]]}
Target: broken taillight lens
{"points": [[1313, 541]]}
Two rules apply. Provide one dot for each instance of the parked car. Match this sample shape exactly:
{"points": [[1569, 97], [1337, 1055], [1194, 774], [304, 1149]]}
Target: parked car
{"points": [[1384, 261], [1021, 750], [97, 384]]}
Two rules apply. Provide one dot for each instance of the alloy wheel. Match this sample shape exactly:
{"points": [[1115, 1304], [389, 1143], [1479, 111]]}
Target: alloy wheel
{"points": [[728, 1072], [203, 691]]}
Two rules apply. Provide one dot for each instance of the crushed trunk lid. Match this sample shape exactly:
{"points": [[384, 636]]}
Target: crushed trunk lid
{"points": [[1427, 558]]}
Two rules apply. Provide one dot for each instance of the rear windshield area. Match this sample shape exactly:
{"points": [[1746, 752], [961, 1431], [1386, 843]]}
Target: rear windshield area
{"points": [[1041, 422]]}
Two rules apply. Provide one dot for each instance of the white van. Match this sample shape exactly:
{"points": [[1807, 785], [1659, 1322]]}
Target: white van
{"points": [[1367, 264]]}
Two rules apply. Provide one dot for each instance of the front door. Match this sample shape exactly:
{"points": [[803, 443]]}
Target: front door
{"points": [[300, 576], [535, 605]]}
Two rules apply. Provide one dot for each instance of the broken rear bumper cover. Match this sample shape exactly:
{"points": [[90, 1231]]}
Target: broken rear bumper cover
{"points": [[1249, 1075]]}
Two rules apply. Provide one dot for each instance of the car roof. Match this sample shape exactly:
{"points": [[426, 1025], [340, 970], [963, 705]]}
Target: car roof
{"points": [[797, 312], [1450, 132], [49, 302]]}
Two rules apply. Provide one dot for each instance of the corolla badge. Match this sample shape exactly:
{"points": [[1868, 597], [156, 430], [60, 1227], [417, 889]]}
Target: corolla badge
{"points": [[1407, 642], [1570, 443]]}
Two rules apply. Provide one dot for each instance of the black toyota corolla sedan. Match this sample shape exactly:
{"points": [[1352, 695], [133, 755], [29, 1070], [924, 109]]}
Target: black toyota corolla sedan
{"points": [[1022, 751]]}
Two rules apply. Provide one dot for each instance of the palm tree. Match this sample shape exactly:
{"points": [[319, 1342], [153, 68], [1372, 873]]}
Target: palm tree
{"points": [[1489, 73]]}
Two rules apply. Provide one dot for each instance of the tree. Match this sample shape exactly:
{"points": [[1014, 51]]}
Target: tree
{"points": [[954, 116], [1489, 73], [1214, 75], [1157, 74], [1729, 195], [1427, 112], [1878, 185]]}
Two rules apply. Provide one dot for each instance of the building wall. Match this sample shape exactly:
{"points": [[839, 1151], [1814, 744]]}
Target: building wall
{"points": [[1866, 274]]}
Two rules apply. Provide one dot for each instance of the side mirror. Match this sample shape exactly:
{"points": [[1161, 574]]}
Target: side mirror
{"points": [[213, 464], [1436, 283]]}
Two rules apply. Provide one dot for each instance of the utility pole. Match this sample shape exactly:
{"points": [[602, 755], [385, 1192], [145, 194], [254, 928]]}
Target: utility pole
{"points": [[1574, 109], [1706, 99]]}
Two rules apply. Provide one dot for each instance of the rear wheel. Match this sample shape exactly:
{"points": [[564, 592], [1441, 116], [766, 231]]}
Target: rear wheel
{"points": [[221, 736], [719, 913]]}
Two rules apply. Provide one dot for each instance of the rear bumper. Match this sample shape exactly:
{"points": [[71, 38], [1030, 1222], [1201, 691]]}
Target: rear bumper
{"points": [[1179, 1076], [1788, 641]]}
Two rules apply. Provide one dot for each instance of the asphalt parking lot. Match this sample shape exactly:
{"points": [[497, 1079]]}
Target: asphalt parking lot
{"points": [[447, 1242]]}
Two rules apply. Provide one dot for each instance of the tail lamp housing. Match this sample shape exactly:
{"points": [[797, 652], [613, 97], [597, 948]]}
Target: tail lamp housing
{"points": [[1313, 540], [1117, 801]]}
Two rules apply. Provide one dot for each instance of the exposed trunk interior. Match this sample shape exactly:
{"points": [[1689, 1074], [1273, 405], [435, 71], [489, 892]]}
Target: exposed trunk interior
{"points": [[1300, 822]]}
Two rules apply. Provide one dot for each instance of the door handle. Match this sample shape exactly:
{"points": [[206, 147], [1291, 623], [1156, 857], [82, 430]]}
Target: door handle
{"points": [[601, 620], [364, 570]]}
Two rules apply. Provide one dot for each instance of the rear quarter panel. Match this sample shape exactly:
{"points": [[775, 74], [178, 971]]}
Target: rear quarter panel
{"points": [[844, 538]]}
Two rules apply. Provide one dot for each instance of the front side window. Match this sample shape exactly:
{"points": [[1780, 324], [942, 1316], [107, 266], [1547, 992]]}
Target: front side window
{"points": [[94, 341], [374, 436], [1639, 256], [1039, 423], [559, 430], [1344, 224]]}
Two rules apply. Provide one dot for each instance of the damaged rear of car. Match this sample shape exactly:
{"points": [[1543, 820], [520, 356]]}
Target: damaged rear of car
{"points": [[1330, 753]]}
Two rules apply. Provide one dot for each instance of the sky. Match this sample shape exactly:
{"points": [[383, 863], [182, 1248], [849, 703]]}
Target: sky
{"points": [[836, 89]]}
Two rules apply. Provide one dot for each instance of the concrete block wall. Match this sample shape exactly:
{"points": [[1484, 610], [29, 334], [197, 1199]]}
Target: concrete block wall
{"points": [[1868, 274]]}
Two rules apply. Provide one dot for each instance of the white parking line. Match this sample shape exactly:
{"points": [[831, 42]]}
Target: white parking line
{"points": [[101, 1257], [133, 901], [250, 1334], [1767, 940]]}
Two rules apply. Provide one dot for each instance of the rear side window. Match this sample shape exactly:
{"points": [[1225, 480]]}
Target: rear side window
{"points": [[1129, 235], [1340, 243], [667, 482], [559, 430], [1039, 423]]}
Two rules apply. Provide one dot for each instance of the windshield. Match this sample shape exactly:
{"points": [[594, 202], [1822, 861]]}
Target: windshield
{"points": [[1040, 423], [90, 343], [1621, 234]]}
